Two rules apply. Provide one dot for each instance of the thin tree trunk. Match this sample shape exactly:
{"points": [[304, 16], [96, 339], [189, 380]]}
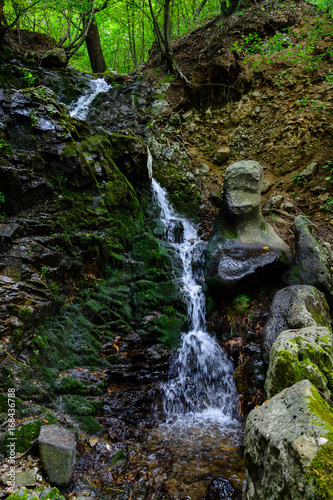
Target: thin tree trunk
{"points": [[94, 48]]}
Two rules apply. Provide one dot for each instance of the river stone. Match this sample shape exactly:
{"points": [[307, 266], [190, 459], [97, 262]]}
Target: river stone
{"points": [[311, 265], [243, 249], [298, 354], [55, 58], [222, 489], [294, 306], [57, 450], [286, 442]]}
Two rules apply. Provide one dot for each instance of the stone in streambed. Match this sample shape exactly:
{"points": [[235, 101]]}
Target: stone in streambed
{"points": [[244, 249], [57, 450], [288, 446], [295, 306], [222, 489]]}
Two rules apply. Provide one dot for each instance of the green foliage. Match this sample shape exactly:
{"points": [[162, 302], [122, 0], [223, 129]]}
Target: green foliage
{"points": [[307, 104], [299, 180], [120, 456], [287, 46], [241, 303]]}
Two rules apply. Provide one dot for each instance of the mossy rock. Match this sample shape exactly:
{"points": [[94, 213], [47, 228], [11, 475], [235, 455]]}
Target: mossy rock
{"points": [[150, 251], [4, 407], [299, 354], [26, 433]]}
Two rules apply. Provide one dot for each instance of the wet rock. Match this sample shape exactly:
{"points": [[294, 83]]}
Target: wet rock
{"points": [[311, 264], [55, 58], [299, 354], [295, 306], [57, 450], [243, 248], [222, 489], [286, 441]]}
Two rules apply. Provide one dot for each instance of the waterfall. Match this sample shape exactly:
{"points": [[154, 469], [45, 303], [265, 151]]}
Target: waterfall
{"points": [[201, 385], [79, 109]]}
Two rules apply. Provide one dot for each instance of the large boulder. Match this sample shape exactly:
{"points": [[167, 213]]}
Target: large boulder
{"points": [[288, 446], [243, 248], [295, 306], [299, 354], [55, 58], [57, 449], [311, 265]]}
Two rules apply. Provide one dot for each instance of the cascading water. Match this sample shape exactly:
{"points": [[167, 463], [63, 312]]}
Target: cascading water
{"points": [[201, 386], [79, 109]]}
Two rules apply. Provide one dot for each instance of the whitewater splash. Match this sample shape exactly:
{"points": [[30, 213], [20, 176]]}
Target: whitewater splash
{"points": [[201, 387], [80, 108]]}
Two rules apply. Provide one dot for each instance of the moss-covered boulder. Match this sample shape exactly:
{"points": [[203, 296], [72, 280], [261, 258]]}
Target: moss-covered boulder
{"points": [[295, 306], [25, 433], [299, 354], [288, 446], [311, 264]]}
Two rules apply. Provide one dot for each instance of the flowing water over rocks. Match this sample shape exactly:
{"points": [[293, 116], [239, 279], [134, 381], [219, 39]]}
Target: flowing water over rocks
{"points": [[80, 108], [200, 398]]}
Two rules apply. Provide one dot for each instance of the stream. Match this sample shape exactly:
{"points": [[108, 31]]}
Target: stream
{"points": [[193, 435], [200, 397]]}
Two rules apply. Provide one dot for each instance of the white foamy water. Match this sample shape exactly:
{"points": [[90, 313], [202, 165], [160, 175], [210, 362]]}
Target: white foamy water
{"points": [[201, 387], [79, 109]]}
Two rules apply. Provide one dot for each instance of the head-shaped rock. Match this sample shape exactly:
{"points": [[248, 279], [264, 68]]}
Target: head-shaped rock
{"points": [[241, 191]]}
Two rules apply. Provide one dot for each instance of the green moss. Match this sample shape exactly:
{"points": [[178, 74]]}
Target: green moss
{"points": [[4, 405], [69, 386], [26, 433], [77, 405], [120, 456], [287, 372], [320, 472], [89, 425], [24, 494]]}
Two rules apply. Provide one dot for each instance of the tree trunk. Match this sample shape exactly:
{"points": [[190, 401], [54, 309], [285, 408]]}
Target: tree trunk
{"points": [[94, 48]]}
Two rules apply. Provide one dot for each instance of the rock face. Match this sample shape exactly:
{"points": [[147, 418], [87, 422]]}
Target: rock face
{"points": [[243, 247], [299, 354], [295, 306], [311, 262], [286, 440], [57, 452]]}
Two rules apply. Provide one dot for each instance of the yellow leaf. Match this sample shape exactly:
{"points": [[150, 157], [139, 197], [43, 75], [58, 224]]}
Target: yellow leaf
{"points": [[108, 447], [265, 248]]}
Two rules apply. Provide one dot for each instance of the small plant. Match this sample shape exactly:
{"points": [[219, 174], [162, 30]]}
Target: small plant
{"points": [[45, 270], [240, 303], [34, 116], [299, 180], [29, 78], [328, 205], [5, 148], [2, 200]]}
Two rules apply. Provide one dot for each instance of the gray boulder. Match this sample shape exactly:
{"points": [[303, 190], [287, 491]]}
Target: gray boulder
{"points": [[55, 58], [311, 265], [304, 353], [243, 248], [287, 444], [295, 306], [57, 450]]}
